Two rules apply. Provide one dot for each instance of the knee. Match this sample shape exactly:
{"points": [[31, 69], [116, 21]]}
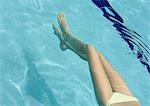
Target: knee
{"points": [[91, 50], [89, 47]]}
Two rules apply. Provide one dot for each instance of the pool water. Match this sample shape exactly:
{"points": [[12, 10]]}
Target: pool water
{"points": [[35, 72]]}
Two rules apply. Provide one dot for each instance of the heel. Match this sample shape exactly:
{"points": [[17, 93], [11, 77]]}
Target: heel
{"points": [[63, 46]]}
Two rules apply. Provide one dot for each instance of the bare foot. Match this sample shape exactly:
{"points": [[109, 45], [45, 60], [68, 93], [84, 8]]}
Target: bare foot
{"points": [[64, 33], [61, 38]]}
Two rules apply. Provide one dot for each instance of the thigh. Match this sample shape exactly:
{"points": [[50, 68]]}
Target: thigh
{"points": [[116, 81], [101, 83]]}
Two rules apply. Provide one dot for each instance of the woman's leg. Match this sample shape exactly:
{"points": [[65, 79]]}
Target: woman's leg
{"points": [[117, 83], [101, 83]]}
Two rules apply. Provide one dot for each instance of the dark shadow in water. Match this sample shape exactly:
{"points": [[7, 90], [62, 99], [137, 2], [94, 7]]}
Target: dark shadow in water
{"points": [[132, 38], [36, 86]]}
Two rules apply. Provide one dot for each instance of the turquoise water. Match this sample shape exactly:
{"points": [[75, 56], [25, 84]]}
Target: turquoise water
{"points": [[35, 72]]}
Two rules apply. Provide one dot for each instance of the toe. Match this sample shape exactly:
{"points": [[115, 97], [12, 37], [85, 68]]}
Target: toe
{"points": [[63, 24]]}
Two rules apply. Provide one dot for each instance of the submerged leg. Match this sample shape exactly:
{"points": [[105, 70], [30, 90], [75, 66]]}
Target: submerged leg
{"points": [[117, 83], [101, 83], [67, 41]]}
